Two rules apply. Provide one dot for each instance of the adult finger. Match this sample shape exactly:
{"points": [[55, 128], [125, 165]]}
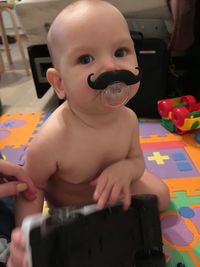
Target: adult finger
{"points": [[13, 263], [18, 238], [17, 249], [21, 175], [11, 169], [12, 188]]}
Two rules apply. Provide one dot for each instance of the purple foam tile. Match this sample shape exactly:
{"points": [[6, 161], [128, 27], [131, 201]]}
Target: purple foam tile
{"points": [[148, 128], [15, 155], [13, 123], [175, 231], [169, 169]]}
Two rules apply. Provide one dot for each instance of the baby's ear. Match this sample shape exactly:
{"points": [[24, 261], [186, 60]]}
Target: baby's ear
{"points": [[55, 80]]}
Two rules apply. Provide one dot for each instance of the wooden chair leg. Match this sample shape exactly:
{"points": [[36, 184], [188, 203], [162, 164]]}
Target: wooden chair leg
{"points": [[2, 68], [5, 39], [18, 39]]}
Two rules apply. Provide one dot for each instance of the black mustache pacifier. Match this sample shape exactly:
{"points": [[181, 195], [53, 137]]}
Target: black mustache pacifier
{"points": [[114, 86]]}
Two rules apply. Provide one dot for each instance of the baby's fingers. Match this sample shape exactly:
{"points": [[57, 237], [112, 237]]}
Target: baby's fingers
{"points": [[104, 197], [127, 198], [115, 194], [100, 186]]}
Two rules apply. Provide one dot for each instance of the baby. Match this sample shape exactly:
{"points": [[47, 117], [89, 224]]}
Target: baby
{"points": [[88, 151]]}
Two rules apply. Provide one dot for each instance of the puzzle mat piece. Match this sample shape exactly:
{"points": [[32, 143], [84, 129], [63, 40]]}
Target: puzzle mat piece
{"points": [[192, 148], [153, 132], [181, 230], [191, 186], [188, 147], [148, 128], [15, 155], [18, 129], [170, 163]]}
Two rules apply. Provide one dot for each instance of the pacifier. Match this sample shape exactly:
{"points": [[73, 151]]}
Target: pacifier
{"points": [[114, 86], [115, 95]]}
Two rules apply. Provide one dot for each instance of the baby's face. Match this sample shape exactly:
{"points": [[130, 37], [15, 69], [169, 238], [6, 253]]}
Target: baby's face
{"points": [[96, 45]]}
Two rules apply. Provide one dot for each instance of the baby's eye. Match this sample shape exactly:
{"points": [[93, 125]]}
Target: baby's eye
{"points": [[121, 52], [85, 59]]}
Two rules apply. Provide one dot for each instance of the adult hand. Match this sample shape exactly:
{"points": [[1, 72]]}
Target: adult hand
{"points": [[18, 257], [13, 180]]}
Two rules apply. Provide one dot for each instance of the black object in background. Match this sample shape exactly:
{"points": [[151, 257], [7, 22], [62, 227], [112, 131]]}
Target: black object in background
{"points": [[153, 60], [40, 61]]}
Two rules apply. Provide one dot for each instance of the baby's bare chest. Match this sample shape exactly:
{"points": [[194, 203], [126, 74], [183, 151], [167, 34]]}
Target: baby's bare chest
{"points": [[85, 155]]}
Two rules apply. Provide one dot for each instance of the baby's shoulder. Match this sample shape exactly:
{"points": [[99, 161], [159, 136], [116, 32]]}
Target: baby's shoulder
{"points": [[48, 133], [54, 125]]}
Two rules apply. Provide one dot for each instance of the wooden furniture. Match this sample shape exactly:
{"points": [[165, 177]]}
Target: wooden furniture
{"points": [[4, 7], [1, 64]]}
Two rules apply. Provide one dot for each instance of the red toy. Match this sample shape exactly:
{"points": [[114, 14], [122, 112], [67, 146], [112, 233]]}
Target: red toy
{"points": [[180, 114]]}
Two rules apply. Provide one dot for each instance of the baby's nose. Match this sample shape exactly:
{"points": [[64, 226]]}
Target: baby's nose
{"points": [[109, 65]]}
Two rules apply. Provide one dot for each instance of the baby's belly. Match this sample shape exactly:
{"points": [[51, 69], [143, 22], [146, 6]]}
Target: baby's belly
{"points": [[64, 194]]}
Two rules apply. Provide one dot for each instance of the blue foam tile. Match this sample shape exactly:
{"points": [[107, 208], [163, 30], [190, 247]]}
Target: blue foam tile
{"points": [[184, 166], [178, 156], [186, 212]]}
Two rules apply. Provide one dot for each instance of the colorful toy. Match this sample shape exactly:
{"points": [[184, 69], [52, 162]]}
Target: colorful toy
{"points": [[180, 114]]}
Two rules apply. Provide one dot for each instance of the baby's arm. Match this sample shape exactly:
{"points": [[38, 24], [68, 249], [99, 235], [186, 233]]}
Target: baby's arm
{"points": [[39, 166], [116, 180]]}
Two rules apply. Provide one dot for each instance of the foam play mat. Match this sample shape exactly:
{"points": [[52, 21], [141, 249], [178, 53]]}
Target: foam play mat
{"points": [[174, 158]]}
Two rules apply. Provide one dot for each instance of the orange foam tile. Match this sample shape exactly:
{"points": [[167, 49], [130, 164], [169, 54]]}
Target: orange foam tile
{"points": [[155, 138], [190, 185], [20, 136]]}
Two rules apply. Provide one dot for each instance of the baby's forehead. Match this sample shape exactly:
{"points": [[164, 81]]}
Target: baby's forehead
{"points": [[80, 17]]}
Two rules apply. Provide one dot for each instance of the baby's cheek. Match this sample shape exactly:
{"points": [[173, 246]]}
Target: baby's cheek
{"points": [[80, 92], [86, 88]]}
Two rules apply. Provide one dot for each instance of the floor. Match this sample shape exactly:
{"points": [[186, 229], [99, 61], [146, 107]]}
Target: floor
{"points": [[17, 90]]}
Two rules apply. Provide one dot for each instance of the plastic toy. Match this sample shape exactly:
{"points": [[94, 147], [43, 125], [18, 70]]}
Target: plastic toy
{"points": [[110, 237], [180, 114]]}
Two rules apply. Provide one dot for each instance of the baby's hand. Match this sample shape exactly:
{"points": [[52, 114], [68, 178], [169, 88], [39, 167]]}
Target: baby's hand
{"points": [[114, 183]]}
